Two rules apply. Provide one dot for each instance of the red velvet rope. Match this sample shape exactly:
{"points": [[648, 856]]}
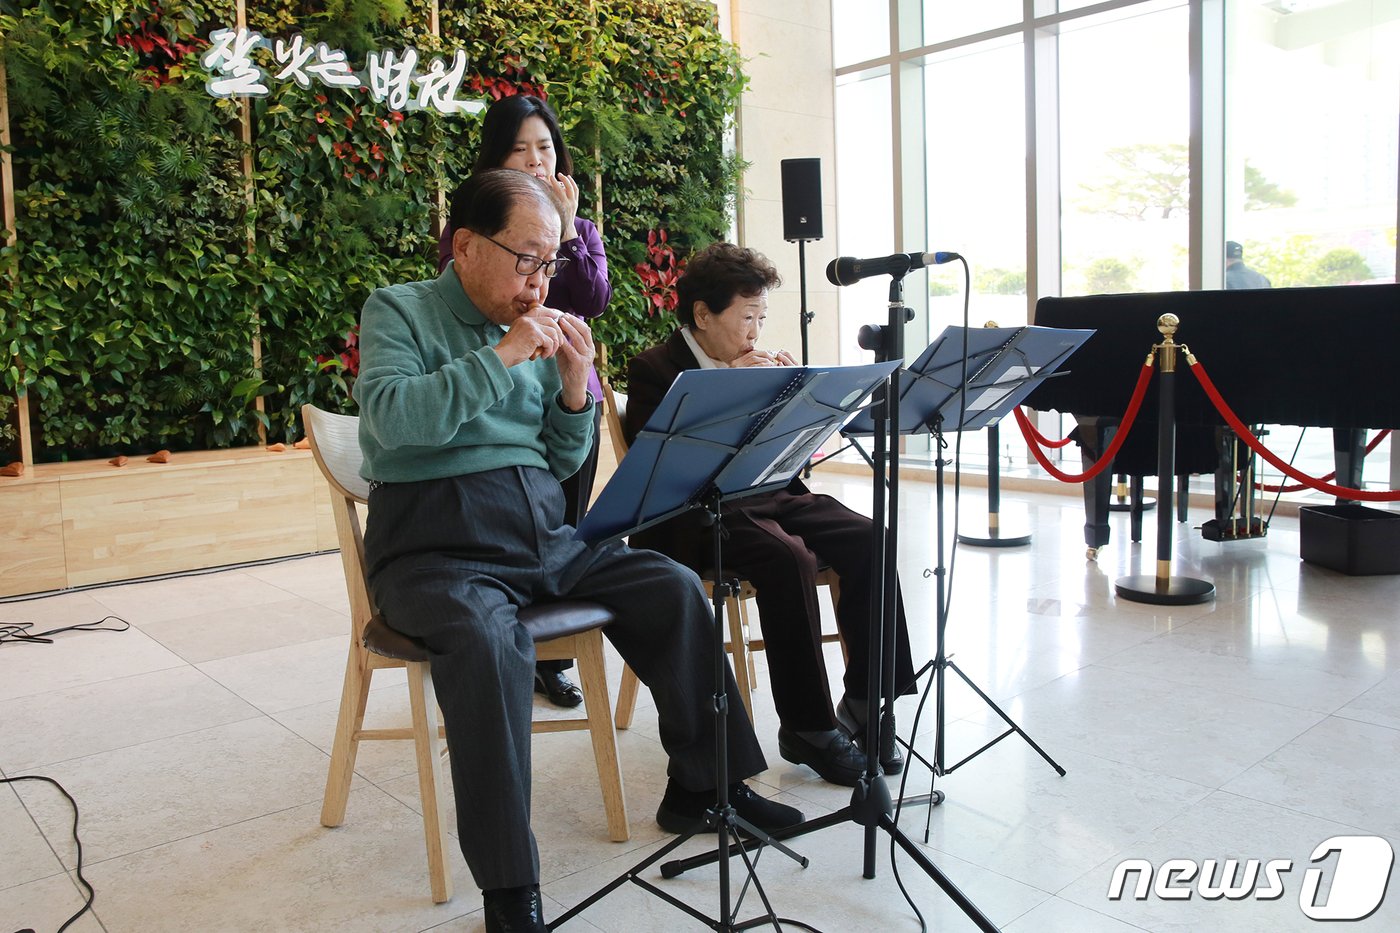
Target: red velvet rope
{"points": [[1042, 440], [1266, 487], [1243, 432], [1144, 377]]}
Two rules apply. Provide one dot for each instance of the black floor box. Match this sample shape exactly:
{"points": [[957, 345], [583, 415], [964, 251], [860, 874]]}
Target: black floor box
{"points": [[1350, 538]]}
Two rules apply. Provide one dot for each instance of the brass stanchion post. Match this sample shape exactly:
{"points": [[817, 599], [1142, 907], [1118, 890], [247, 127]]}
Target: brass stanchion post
{"points": [[1162, 588]]}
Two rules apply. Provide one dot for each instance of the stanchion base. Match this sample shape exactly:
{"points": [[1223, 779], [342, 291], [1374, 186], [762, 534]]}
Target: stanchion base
{"points": [[1173, 591], [995, 538], [1148, 504]]}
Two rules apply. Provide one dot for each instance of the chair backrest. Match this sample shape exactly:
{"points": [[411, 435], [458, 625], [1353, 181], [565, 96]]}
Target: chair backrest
{"points": [[615, 411], [335, 443]]}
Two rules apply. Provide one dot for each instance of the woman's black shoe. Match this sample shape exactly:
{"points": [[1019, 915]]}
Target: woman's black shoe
{"points": [[891, 757], [558, 688], [841, 762]]}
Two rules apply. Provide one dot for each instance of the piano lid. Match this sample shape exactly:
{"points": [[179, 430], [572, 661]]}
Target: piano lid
{"points": [[1322, 356]]}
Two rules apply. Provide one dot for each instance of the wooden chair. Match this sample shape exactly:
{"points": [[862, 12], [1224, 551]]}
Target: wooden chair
{"points": [[741, 644], [560, 630]]}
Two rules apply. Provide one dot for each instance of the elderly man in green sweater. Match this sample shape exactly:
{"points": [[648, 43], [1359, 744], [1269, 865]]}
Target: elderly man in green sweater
{"points": [[473, 405]]}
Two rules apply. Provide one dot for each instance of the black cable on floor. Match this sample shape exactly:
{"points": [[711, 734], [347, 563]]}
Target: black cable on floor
{"points": [[91, 895], [20, 631]]}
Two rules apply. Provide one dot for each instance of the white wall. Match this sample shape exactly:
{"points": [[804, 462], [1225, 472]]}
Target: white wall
{"points": [[788, 112]]}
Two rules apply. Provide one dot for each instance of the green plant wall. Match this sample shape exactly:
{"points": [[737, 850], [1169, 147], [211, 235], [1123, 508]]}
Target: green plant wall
{"points": [[148, 257]]}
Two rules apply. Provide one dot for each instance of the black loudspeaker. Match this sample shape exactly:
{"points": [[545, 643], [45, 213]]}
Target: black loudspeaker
{"points": [[802, 199]]}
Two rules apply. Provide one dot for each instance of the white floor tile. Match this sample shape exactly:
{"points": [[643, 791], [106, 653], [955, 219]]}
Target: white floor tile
{"points": [[1254, 725], [76, 659], [53, 727], [145, 795], [47, 905]]}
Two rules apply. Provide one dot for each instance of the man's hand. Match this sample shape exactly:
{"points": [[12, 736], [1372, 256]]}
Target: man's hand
{"points": [[533, 335], [575, 359]]}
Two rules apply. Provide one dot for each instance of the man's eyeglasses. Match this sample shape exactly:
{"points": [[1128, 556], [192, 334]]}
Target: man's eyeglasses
{"points": [[525, 264]]}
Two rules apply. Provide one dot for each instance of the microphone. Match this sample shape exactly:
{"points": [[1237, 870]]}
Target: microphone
{"points": [[847, 270]]}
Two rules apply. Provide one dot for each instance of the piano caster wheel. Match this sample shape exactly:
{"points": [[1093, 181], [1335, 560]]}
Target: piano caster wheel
{"points": [[1091, 553]]}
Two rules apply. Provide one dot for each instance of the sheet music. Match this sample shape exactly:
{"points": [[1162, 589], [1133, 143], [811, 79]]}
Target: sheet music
{"points": [[991, 395]]}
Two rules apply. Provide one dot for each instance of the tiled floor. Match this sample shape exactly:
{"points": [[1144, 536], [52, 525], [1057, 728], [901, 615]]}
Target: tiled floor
{"points": [[1251, 727]]}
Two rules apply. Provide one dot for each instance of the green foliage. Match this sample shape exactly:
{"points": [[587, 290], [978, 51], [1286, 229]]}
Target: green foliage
{"points": [[9, 434], [1148, 180], [1342, 266], [944, 281], [1153, 181], [1260, 193], [1000, 282], [149, 263], [1301, 260], [1286, 262], [1107, 275], [628, 326]]}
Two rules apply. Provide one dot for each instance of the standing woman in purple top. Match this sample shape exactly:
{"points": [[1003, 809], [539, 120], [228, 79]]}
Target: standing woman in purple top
{"points": [[522, 133]]}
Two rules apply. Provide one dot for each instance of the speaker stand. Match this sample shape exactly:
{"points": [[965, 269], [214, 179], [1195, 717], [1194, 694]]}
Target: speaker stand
{"points": [[804, 317]]}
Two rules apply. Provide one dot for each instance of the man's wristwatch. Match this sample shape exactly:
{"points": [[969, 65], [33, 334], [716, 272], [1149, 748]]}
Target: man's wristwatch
{"points": [[576, 411]]}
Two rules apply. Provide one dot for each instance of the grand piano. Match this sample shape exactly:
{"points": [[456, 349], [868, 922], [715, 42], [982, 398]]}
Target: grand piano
{"points": [[1317, 357]]}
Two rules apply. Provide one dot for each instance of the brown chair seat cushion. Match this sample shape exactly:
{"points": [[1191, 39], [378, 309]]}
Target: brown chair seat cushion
{"points": [[543, 622]]}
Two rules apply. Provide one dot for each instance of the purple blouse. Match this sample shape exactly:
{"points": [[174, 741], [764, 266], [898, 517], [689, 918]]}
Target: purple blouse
{"points": [[581, 287]]}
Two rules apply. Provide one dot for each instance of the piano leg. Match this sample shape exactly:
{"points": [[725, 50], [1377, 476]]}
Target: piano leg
{"points": [[1095, 433], [1348, 453]]}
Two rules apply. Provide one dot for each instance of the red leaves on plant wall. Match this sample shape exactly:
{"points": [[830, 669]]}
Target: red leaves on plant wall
{"points": [[659, 273], [348, 359], [156, 51], [498, 88]]}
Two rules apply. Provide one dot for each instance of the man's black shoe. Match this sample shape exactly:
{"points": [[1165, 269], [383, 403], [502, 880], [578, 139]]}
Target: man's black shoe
{"points": [[841, 762], [767, 815], [514, 910], [683, 810], [558, 688]]}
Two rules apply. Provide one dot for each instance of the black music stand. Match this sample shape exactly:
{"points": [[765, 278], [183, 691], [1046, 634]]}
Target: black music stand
{"points": [[871, 804], [1003, 365], [720, 435]]}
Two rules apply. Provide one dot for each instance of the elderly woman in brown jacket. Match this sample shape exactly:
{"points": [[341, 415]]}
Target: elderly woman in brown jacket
{"points": [[777, 540]]}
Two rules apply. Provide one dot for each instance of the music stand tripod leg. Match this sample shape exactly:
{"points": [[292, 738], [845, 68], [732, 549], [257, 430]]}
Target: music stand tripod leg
{"points": [[721, 816], [941, 660]]}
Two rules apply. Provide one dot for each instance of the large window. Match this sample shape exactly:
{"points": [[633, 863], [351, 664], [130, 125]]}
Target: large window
{"points": [[952, 19], [1071, 147], [1125, 127], [860, 30], [864, 198], [1311, 98], [976, 145]]}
